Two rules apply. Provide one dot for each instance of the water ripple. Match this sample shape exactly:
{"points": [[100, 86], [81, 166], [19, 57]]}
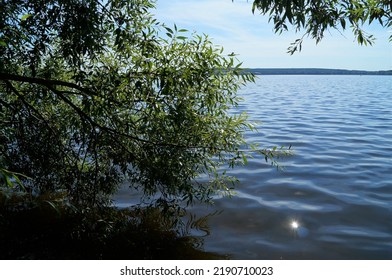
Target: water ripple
{"points": [[338, 185]]}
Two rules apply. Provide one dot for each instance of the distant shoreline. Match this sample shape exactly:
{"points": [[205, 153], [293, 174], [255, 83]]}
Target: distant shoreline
{"points": [[313, 71]]}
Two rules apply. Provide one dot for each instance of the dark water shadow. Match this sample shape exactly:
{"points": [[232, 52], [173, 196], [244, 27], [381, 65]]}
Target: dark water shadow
{"points": [[44, 233]]}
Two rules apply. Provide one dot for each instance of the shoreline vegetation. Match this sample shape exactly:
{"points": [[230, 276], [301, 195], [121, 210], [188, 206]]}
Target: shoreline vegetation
{"points": [[314, 71]]}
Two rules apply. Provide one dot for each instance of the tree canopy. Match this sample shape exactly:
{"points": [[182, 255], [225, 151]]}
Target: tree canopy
{"points": [[314, 18], [94, 93]]}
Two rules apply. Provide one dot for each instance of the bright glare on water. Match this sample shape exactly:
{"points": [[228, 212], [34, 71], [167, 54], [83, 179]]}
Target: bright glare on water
{"points": [[338, 183], [294, 224]]}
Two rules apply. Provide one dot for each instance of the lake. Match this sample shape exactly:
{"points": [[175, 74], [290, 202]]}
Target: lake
{"points": [[333, 197]]}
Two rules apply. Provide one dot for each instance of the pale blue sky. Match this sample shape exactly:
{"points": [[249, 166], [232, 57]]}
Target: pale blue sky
{"points": [[233, 26]]}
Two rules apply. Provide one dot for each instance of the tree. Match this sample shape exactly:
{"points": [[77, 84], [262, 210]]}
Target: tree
{"points": [[94, 93], [317, 17]]}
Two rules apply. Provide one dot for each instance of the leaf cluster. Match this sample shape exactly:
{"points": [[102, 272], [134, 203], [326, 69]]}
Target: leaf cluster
{"points": [[317, 17]]}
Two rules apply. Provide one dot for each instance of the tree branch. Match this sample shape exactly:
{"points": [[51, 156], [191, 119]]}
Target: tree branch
{"points": [[44, 82], [50, 85]]}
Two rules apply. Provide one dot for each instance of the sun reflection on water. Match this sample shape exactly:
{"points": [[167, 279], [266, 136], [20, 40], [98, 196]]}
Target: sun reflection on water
{"points": [[294, 225], [298, 229]]}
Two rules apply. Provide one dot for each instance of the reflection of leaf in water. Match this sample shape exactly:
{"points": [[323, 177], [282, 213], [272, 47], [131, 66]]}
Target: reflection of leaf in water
{"points": [[35, 233], [194, 241], [199, 224]]}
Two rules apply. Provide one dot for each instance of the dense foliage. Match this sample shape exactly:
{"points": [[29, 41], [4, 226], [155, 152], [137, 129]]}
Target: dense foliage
{"points": [[317, 17], [93, 93]]}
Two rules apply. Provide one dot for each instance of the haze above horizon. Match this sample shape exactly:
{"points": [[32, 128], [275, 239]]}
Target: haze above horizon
{"points": [[233, 26]]}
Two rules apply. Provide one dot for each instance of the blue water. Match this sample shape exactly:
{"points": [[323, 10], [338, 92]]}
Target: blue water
{"points": [[337, 187], [338, 184]]}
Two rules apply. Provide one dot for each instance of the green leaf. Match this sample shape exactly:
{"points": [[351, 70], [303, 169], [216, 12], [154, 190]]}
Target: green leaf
{"points": [[19, 182], [343, 23], [244, 159], [169, 29], [254, 6], [25, 17], [54, 206], [8, 181]]}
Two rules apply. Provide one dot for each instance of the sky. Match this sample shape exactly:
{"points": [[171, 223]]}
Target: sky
{"points": [[233, 26]]}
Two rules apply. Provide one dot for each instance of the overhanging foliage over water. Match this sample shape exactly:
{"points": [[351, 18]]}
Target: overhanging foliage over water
{"points": [[97, 92]]}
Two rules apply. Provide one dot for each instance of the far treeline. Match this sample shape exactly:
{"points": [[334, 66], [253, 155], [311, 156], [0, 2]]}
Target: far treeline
{"points": [[313, 71]]}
